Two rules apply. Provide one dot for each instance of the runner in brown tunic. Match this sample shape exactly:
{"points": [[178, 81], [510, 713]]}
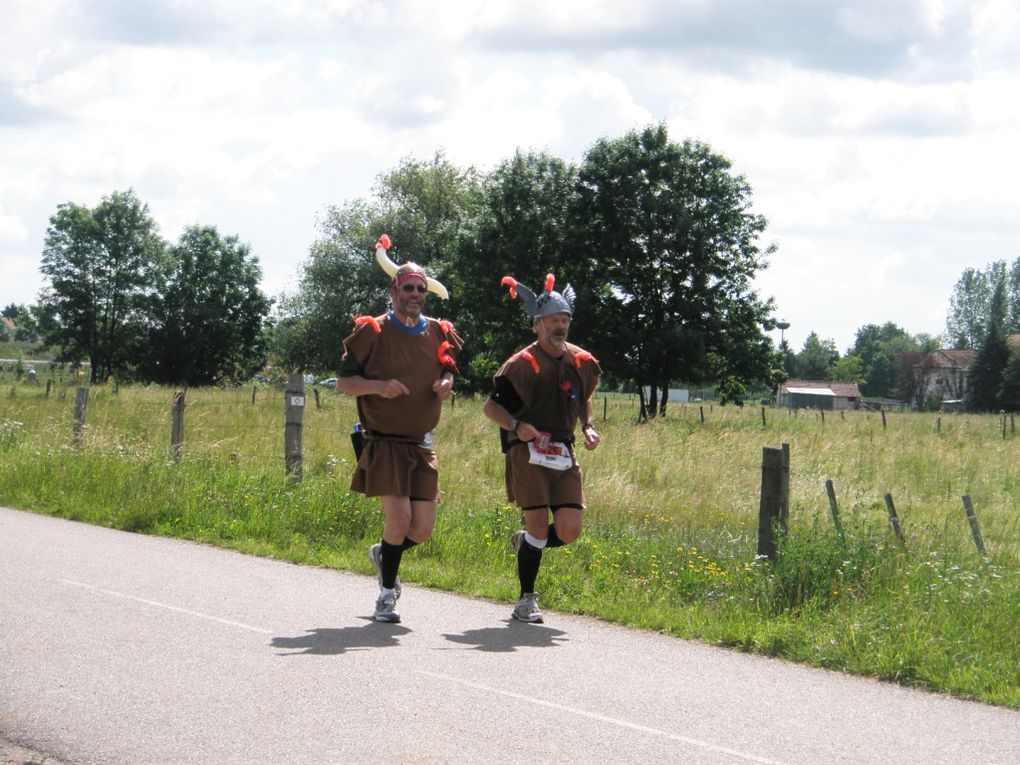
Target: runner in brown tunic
{"points": [[539, 395], [400, 366]]}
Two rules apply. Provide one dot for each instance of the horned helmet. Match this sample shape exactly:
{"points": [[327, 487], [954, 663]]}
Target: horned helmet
{"points": [[545, 304]]}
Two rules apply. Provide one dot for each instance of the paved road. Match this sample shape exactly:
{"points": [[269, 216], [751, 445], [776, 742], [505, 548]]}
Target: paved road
{"points": [[122, 648]]}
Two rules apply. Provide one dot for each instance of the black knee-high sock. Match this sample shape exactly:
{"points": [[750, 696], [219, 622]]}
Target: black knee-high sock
{"points": [[528, 560], [390, 563], [408, 543], [553, 540]]}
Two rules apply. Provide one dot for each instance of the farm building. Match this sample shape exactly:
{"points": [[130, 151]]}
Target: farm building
{"points": [[941, 376], [818, 394]]}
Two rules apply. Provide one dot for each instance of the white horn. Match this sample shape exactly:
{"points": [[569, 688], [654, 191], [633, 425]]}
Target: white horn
{"points": [[437, 289], [384, 260]]}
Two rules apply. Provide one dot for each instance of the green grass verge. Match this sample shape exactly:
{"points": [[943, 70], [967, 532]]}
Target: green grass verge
{"points": [[669, 541]]}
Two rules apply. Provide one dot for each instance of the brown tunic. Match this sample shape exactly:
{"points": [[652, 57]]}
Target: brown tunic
{"points": [[395, 461], [552, 399]]}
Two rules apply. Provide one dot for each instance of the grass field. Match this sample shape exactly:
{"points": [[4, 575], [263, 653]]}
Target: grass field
{"points": [[670, 534]]}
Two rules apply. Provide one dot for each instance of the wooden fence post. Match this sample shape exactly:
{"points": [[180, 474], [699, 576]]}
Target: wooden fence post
{"points": [[81, 402], [784, 489], [834, 508], [318, 405], [769, 507], [49, 384], [974, 529], [254, 390], [883, 419], [294, 400], [605, 404], [763, 423], [894, 521], [702, 410], [177, 427]]}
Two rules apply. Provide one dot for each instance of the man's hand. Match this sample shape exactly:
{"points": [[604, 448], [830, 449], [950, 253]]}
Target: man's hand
{"points": [[391, 388], [591, 437], [527, 432], [443, 387]]}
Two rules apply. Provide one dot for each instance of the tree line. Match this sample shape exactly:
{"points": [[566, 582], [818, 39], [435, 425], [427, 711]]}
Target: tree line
{"points": [[138, 307], [656, 237]]}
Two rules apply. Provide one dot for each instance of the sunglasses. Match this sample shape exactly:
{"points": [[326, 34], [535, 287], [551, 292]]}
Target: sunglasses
{"points": [[414, 288]]}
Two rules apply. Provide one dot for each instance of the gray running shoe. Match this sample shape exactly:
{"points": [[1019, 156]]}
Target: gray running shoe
{"points": [[516, 540], [375, 555], [386, 609], [526, 609]]}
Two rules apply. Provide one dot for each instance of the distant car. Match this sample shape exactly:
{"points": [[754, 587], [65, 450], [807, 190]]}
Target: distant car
{"points": [[309, 378], [330, 381]]}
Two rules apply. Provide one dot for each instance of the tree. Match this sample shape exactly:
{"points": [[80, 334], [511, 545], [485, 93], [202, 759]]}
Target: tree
{"points": [[102, 266], [1009, 391], [674, 249], [523, 228], [423, 206], [880, 348], [985, 376], [848, 369], [970, 303], [815, 360], [209, 321]]}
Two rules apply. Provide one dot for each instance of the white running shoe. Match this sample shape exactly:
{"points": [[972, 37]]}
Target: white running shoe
{"points": [[386, 609], [526, 609]]}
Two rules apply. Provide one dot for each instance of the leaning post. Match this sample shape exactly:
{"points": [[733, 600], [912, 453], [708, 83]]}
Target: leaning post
{"points": [[974, 528]]}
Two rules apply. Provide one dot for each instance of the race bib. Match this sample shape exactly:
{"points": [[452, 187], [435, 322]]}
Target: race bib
{"points": [[555, 455]]}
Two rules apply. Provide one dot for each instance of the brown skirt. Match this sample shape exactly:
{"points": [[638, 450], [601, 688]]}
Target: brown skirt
{"points": [[530, 485], [391, 468]]}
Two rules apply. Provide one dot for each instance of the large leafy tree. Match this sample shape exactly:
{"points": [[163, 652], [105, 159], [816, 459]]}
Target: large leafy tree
{"points": [[522, 228], [423, 206], [208, 325], [101, 268], [880, 348], [816, 358], [971, 302], [985, 376], [675, 247]]}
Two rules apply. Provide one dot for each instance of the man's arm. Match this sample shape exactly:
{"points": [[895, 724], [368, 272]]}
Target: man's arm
{"points": [[499, 415], [591, 436], [356, 385]]}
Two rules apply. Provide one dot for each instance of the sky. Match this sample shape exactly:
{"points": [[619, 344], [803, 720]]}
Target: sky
{"points": [[879, 137]]}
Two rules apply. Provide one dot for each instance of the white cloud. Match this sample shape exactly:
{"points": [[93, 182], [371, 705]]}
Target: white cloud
{"points": [[878, 138]]}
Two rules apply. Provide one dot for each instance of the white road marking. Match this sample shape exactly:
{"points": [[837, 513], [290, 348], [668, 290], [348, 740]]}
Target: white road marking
{"points": [[168, 607], [605, 719]]}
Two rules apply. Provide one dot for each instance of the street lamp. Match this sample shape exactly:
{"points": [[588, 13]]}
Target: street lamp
{"points": [[783, 325]]}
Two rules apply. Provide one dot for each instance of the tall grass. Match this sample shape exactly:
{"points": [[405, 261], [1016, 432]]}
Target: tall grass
{"points": [[670, 532]]}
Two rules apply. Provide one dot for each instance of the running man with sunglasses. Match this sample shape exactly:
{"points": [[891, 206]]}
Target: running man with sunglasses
{"points": [[400, 366]]}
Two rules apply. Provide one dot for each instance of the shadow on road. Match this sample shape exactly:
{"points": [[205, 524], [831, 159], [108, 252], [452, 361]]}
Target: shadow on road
{"points": [[325, 641], [509, 638]]}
